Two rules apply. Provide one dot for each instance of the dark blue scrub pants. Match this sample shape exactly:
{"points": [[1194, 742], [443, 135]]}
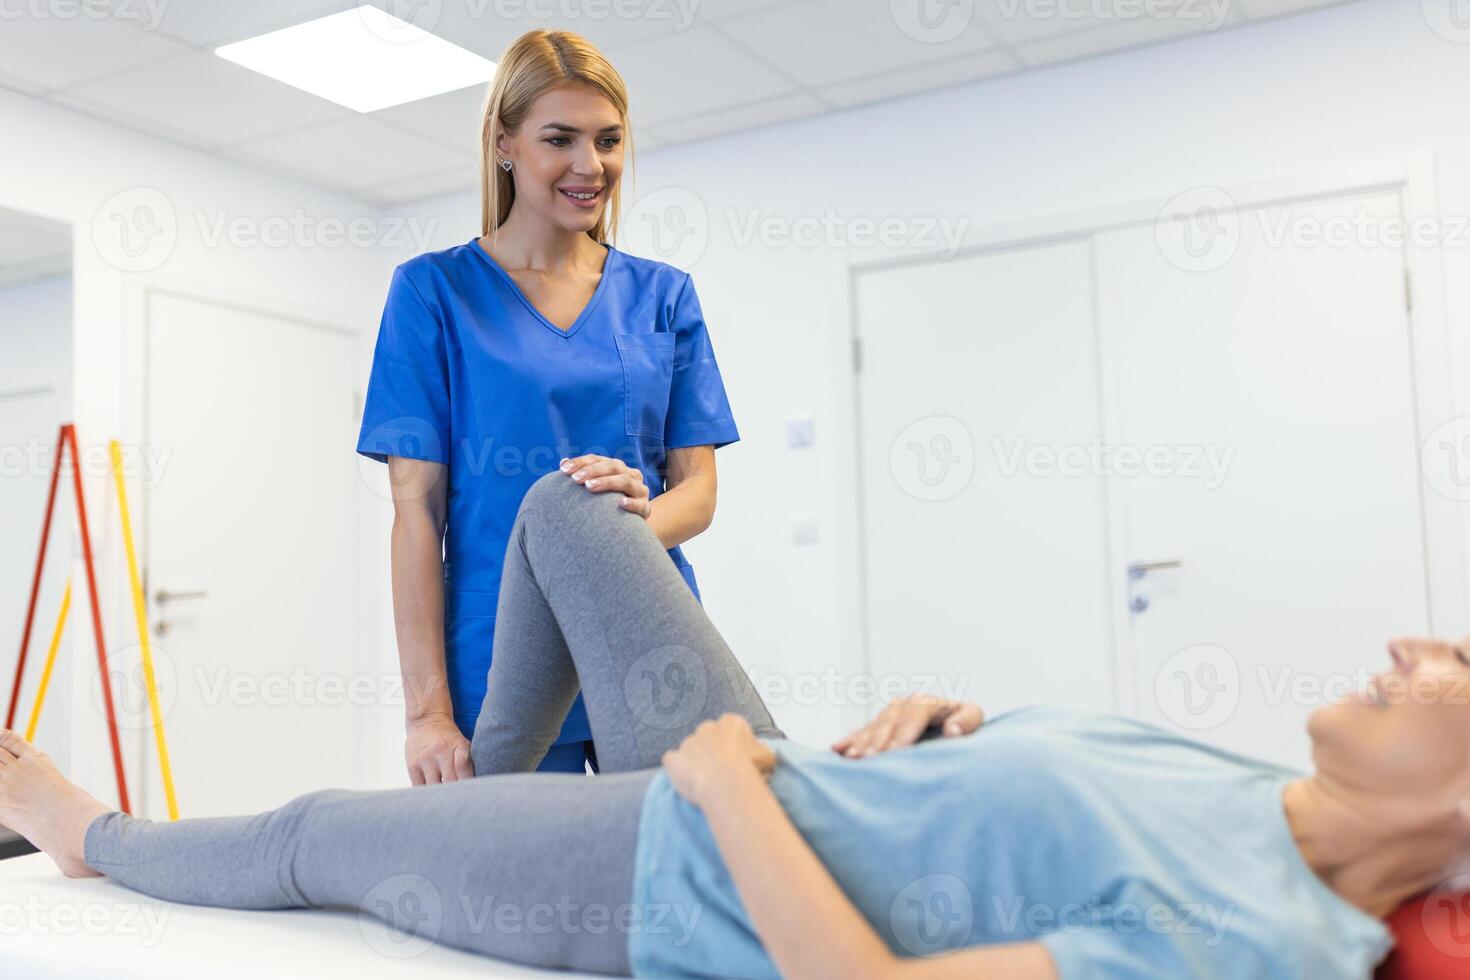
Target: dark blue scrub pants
{"points": [[569, 757]]}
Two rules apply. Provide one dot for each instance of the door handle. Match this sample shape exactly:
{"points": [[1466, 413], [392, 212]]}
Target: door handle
{"points": [[1138, 603], [1138, 569], [164, 595]]}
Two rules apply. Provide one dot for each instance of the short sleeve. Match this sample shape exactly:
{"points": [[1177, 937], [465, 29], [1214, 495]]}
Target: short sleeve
{"points": [[406, 411], [699, 410]]}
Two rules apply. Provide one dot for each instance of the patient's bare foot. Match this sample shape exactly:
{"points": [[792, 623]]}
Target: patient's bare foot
{"points": [[43, 806]]}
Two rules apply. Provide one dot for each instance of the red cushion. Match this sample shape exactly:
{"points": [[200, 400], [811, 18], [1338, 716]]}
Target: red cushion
{"points": [[1432, 936]]}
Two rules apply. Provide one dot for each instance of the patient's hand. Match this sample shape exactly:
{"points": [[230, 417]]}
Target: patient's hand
{"points": [[716, 750], [904, 721]]}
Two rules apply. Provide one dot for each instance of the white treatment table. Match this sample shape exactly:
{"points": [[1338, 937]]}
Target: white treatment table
{"points": [[58, 928]]}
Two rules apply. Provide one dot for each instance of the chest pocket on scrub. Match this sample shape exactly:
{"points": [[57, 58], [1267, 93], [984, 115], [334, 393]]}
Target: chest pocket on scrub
{"points": [[648, 374]]}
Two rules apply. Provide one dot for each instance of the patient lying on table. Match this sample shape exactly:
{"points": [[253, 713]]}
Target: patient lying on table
{"points": [[1042, 843]]}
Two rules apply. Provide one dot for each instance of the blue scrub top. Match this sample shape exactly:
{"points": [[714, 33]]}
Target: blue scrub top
{"points": [[467, 373]]}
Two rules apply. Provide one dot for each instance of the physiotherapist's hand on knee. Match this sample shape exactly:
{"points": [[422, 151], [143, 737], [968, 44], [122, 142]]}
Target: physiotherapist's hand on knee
{"points": [[904, 721], [436, 751], [601, 474]]}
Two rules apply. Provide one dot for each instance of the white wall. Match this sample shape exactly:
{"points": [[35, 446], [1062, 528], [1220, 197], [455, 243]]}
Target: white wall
{"points": [[72, 167], [1286, 97], [35, 388]]}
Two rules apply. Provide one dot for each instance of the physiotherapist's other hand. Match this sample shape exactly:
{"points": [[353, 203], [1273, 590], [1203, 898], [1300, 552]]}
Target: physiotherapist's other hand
{"points": [[600, 474], [903, 721], [714, 752], [436, 751]]}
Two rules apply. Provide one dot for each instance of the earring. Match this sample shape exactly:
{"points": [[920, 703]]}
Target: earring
{"points": [[505, 165]]}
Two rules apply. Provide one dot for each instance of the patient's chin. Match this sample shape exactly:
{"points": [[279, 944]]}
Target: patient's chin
{"points": [[1331, 724], [1320, 722]]}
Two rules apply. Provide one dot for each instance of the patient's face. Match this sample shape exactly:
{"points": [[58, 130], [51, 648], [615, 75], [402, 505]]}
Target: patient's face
{"points": [[1408, 735]]}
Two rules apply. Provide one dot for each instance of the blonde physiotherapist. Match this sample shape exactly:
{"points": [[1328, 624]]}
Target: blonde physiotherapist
{"points": [[533, 347]]}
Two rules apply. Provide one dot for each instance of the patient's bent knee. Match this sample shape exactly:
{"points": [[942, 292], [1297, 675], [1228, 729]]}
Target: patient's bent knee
{"points": [[556, 492], [551, 490]]}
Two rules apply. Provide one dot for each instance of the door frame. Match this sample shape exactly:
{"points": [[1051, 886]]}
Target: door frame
{"points": [[1412, 176], [137, 422]]}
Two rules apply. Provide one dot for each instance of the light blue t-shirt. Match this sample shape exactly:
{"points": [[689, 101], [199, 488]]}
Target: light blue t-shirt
{"points": [[1129, 851]]}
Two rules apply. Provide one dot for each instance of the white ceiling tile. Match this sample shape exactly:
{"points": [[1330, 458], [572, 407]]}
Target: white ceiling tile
{"points": [[300, 175], [1115, 37], [355, 152], [151, 126], [1021, 22], [474, 26], [660, 75], [21, 85], [487, 28], [52, 51], [694, 70], [219, 102], [1015, 23], [1262, 9], [210, 24], [720, 121], [912, 80], [820, 42], [918, 80], [452, 119], [722, 10]]}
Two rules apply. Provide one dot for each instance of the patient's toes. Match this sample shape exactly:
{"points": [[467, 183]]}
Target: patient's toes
{"points": [[12, 742]]}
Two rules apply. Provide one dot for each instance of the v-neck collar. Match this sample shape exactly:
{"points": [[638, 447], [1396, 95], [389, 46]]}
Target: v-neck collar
{"points": [[514, 287]]}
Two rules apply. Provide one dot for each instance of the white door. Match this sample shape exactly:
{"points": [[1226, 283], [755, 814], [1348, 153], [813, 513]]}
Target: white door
{"points": [[251, 525], [986, 558], [1301, 545]]}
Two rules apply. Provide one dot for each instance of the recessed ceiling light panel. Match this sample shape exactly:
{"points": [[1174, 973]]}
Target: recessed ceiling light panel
{"points": [[363, 58]]}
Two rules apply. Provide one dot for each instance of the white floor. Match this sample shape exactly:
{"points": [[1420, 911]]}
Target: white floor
{"points": [[54, 927]]}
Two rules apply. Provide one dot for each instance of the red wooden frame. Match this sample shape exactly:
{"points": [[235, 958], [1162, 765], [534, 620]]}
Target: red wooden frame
{"points": [[67, 437]]}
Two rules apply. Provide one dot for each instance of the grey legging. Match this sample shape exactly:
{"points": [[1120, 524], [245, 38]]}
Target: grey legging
{"points": [[531, 867]]}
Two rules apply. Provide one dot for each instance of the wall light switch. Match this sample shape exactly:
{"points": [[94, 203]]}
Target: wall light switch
{"points": [[804, 529], [800, 432]]}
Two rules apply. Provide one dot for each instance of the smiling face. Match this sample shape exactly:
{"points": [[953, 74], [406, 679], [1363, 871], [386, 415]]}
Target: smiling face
{"points": [[571, 142], [1406, 737]]}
